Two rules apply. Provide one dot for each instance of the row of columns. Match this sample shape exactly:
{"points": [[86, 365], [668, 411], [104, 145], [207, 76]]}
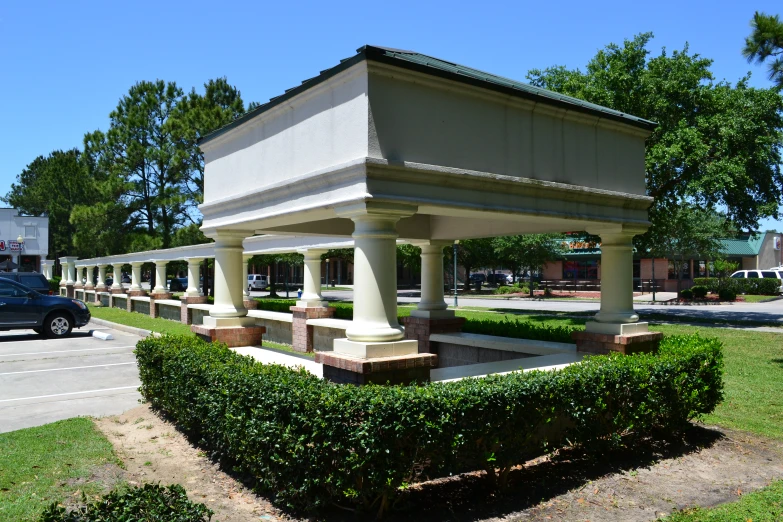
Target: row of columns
{"points": [[375, 285]]}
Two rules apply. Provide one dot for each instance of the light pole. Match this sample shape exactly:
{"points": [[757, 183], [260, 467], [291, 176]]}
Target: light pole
{"points": [[20, 242], [456, 304]]}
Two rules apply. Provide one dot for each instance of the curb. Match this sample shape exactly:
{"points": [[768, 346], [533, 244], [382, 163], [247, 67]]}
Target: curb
{"points": [[141, 332]]}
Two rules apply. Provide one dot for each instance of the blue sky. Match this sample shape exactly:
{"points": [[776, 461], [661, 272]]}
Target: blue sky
{"points": [[64, 65]]}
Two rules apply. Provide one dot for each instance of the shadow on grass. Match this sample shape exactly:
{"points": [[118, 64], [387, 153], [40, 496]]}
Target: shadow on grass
{"points": [[470, 497]]}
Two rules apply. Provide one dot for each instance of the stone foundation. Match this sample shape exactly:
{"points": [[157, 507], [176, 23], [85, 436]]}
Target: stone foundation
{"points": [[602, 343], [232, 336], [403, 369], [420, 328], [69, 291], [302, 335]]}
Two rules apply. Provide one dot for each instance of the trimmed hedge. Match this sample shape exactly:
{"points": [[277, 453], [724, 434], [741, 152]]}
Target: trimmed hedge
{"points": [[54, 285], [760, 286], [310, 443], [148, 502]]}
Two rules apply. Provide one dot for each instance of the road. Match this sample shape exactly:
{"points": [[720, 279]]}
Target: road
{"points": [[44, 380], [765, 312]]}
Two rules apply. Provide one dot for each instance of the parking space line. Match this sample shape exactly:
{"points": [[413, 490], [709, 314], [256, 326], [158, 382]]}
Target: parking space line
{"points": [[71, 393], [108, 347], [71, 368]]}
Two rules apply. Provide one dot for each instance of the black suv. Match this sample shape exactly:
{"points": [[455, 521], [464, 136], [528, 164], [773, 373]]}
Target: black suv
{"points": [[53, 316], [33, 280]]}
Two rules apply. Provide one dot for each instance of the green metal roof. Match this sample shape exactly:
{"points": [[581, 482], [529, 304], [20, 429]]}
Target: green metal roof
{"points": [[453, 71], [743, 246]]}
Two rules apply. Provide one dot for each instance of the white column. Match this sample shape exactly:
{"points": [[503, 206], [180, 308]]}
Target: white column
{"points": [[194, 264], [617, 315], [432, 303], [89, 284], [245, 260], [102, 276], [160, 277], [136, 276], [66, 273], [229, 301], [117, 270], [71, 273], [375, 279], [311, 289]]}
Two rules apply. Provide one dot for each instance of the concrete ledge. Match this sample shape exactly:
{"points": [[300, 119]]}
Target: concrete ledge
{"points": [[405, 369], [271, 316], [168, 302], [599, 343], [199, 306], [504, 344], [545, 362], [141, 332], [340, 324], [232, 336], [139, 298]]}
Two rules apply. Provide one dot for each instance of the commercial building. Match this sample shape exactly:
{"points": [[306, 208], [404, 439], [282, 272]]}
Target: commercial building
{"points": [[581, 266], [24, 240]]}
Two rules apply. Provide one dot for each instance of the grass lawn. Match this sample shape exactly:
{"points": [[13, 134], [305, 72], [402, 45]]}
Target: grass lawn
{"points": [[42, 465], [759, 298], [765, 504]]}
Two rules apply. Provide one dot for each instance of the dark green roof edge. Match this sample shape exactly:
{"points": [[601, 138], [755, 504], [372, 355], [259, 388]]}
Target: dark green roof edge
{"points": [[448, 70]]}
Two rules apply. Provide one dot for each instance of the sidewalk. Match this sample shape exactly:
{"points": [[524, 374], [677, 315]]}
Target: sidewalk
{"points": [[660, 297]]}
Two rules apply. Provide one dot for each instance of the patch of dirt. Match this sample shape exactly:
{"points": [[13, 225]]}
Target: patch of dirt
{"points": [[154, 451], [708, 466]]}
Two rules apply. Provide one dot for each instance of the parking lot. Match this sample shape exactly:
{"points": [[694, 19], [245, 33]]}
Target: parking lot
{"points": [[44, 380]]}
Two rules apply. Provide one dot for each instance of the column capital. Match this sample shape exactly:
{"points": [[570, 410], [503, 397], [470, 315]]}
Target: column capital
{"points": [[194, 260], [136, 263], [376, 209], [310, 254], [228, 237], [157, 262], [619, 233]]}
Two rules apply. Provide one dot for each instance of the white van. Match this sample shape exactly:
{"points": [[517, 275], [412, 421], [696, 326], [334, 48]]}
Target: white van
{"points": [[256, 282], [760, 274]]}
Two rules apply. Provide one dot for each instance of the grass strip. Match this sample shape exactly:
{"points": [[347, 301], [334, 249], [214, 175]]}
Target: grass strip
{"points": [[42, 465], [762, 505]]}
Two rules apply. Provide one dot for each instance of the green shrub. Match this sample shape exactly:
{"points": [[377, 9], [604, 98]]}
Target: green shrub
{"points": [[54, 285], [520, 329], [507, 290], [310, 443], [686, 294], [727, 294], [766, 286], [699, 291], [148, 502]]}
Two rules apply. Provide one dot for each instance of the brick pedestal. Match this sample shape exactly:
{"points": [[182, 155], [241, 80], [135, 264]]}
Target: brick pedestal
{"points": [[301, 333], [232, 336], [420, 329], [136, 293], [600, 343], [250, 304], [186, 314], [69, 291], [403, 369], [129, 303], [161, 295], [153, 308], [117, 290]]}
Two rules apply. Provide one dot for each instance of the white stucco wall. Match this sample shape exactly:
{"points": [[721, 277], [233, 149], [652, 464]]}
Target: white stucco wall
{"points": [[442, 123], [321, 127]]}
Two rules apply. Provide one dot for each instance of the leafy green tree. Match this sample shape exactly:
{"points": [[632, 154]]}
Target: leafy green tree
{"points": [[717, 145], [766, 41], [530, 251], [471, 253], [52, 186], [410, 257], [688, 231]]}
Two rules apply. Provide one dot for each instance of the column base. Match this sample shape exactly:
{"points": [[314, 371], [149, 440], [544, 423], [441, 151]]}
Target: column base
{"points": [[627, 340], [101, 288], [370, 350], [250, 304], [232, 336], [161, 295], [420, 328], [311, 304], [117, 290], [433, 314], [186, 314], [137, 293], [302, 335], [404, 369], [224, 322]]}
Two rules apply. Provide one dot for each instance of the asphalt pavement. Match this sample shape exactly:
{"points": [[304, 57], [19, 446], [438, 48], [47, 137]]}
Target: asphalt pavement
{"points": [[44, 380]]}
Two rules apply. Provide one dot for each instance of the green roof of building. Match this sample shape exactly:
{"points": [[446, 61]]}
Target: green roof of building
{"points": [[442, 68], [745, 246]]}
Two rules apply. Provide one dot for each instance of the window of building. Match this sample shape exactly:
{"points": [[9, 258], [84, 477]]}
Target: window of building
{"points": [[702, 268], [29, 232], [580, 269], [637, 268], [686, 270]]}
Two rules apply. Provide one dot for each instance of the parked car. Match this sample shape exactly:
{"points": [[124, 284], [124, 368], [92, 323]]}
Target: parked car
{"points": [[497, 279], [257, 282], [33, 280], [21, 307], [178, 284], [760, 274], [478, 278]]}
